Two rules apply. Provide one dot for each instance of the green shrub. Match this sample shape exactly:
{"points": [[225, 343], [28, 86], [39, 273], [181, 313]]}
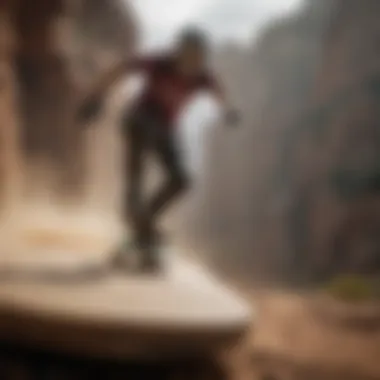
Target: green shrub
{"points": [[351, 288]]}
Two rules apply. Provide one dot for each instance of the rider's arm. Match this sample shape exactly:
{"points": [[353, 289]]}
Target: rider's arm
{"points": [[92, 104], [214, 86], [118, 71]]}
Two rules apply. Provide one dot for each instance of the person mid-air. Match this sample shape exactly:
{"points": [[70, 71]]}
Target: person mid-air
{"points": [[172, 78]]}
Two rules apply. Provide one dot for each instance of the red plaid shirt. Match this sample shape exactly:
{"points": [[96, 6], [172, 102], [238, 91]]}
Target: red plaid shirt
{"points": [[167, 91]]}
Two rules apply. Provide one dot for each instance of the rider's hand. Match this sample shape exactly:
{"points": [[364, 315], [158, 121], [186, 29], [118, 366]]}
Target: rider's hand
{"points": [[232, 117], [89, 109]]}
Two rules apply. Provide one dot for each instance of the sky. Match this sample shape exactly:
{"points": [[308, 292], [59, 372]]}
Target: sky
{"points": [[224, 20], [238, 21]]}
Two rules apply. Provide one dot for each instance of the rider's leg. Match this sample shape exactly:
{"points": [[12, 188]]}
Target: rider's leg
{"points": [[175, 185], [134, 157]]}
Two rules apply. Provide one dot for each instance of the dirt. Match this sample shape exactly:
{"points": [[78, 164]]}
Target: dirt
{"points": [[305, 337]]}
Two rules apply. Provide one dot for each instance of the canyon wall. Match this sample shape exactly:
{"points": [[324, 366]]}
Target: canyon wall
{"points": [[330, 158], [42, 52], [294, 191]]}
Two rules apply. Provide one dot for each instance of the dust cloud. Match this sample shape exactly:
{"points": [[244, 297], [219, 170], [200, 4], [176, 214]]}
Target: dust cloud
{"points": [[59, 180]]}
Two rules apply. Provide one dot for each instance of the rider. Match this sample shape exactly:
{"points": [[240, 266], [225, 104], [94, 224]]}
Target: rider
{"points": [[172, 79]]}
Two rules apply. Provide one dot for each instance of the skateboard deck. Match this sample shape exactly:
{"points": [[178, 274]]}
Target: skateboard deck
{"points": [[114, 314]]}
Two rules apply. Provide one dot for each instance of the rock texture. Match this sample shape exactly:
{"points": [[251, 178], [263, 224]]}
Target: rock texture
{"points": [[297, 187], [9, 158], [44, 90], [333, 210], [237, 215]]}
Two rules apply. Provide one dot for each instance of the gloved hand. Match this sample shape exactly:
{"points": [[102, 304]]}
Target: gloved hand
{"points": [[232, 117], [89, 109]]}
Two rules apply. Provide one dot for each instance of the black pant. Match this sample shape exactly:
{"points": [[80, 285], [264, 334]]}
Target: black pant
{"points": [[148, 133]]}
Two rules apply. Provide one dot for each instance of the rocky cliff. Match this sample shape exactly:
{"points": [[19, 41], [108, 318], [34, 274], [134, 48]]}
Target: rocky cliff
{"points": [[296, 187], [333, 209], [39, 56]]}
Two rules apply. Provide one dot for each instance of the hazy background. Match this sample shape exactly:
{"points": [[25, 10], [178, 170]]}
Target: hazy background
{"points": [[272, 194], [239, 21], [292, 192]]}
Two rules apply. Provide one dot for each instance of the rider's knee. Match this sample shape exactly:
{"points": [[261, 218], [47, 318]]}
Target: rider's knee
{"points": [[181, 182]]}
